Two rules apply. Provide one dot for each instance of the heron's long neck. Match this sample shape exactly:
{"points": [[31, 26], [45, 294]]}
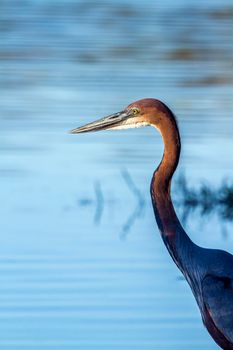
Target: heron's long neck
{"points": [[173, 234]]}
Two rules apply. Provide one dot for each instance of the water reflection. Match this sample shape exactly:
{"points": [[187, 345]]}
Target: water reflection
{"points": [[205, 199], [99, 202], [138, 210]]}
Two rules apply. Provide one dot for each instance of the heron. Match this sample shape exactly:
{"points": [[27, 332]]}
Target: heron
{"points": [[209, 272]]}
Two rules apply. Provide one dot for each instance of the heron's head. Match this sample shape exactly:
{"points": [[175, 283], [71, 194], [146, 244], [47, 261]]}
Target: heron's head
{"points": [[144, 112]]}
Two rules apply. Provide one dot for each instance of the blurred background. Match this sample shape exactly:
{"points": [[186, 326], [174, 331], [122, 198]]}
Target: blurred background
{"points": [[82, 265]]}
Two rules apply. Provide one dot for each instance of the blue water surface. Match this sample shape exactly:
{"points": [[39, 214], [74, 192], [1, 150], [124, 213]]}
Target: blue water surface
{"points": [[82, 265]]}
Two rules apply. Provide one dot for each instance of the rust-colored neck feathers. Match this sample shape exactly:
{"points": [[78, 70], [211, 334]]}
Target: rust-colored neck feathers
{"points": [[154, 112], [171, 230], [168, 128], [161, 181]]}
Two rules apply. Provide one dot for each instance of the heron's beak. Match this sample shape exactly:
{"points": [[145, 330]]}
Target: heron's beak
{"points": [[112, 121]]}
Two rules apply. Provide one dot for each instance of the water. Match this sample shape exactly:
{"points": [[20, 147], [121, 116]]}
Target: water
{"points": [[82, 265]]}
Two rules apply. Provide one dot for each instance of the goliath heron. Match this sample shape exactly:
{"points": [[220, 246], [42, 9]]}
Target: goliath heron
{"points": [[209, 272]]}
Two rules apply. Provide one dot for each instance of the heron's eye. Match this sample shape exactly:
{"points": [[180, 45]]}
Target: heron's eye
{"points": [[135, 111]]}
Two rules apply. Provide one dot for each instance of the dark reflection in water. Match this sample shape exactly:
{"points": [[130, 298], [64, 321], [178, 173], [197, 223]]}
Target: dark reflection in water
{"points": [[99, 202], [204, 199], [138, 210]]}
